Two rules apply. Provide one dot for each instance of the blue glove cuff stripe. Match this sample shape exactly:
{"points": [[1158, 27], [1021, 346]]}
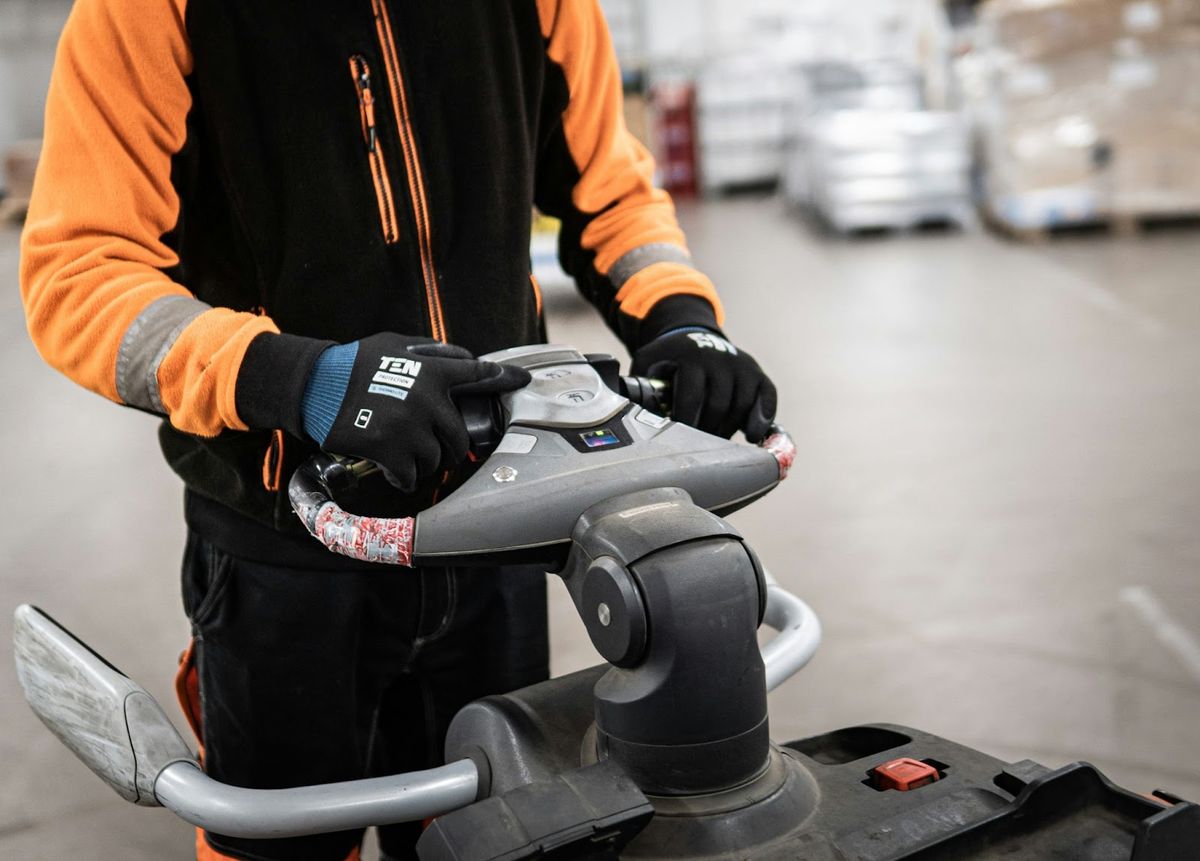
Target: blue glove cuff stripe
{"points": [[326, 389]]}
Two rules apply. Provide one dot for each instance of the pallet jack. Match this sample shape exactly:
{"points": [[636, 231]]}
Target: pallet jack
{"points": [[661, 753]]}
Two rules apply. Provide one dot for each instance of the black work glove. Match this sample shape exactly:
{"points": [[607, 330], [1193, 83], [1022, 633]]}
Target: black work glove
{"points": [[715, 386], [391, 399]]}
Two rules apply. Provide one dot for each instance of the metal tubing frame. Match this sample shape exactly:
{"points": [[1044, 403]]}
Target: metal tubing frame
{"points": [[267, 813], [799, 634]]}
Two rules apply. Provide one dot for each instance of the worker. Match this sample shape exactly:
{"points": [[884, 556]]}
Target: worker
{"points": [[286, 225]]}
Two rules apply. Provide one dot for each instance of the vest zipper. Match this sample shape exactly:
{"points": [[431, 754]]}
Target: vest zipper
{"points": [[416, 181], [379, 174]]}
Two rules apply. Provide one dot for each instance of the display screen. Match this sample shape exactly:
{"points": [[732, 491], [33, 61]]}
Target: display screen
{"points": [[600, 438]]}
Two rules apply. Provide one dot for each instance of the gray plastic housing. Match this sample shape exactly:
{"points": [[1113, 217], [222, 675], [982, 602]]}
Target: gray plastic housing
{"points": [[107, 720], [533, 489]]}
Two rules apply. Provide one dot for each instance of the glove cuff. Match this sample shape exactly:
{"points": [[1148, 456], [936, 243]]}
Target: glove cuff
{"points": [[326, 389], [272, 380], [683, 330], [676, 312]]}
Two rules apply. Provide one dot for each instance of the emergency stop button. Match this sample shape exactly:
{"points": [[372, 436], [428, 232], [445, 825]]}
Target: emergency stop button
{"points": [[903, 774]]}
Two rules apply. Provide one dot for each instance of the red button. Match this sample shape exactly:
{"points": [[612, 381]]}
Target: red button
{"points": [[903, 774]]}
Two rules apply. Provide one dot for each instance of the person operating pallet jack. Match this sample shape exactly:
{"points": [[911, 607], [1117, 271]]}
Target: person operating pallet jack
{"points": [[661, 753], [286, 226]]}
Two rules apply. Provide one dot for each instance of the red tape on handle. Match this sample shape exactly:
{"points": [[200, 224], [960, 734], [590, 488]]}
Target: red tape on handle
{"points": [[383, 540], [389, 540], [781, 445]]}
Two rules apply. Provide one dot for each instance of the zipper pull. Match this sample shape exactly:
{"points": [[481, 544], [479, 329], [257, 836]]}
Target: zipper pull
{"points": [[368, 101]]}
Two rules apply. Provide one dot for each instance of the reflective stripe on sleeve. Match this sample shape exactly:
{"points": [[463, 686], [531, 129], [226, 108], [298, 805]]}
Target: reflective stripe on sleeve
{"points": [[146, 343], [633, 262]]}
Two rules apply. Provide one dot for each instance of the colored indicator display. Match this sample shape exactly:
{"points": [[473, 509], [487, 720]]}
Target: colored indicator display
{"points": [[600, 438]]}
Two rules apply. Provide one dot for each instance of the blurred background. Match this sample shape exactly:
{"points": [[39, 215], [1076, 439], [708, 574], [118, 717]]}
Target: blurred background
{"points": [[962, 237]]}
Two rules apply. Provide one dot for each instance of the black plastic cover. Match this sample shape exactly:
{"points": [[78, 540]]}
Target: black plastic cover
{"points": [[587, 813], [1075, 813]]}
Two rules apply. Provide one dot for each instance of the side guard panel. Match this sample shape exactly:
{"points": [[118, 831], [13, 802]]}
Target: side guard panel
{"points": [[105, 718]]}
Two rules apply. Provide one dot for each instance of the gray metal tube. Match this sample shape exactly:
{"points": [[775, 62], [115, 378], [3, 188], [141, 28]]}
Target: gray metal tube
{"points": [[263, 813], [798, 639]]}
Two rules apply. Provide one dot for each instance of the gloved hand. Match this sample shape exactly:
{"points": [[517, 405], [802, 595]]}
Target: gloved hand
{"points": [[390, 399], [716, 387]]}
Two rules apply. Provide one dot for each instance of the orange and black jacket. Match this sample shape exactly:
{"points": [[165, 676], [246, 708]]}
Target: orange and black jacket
{"points": [[218, 172]]}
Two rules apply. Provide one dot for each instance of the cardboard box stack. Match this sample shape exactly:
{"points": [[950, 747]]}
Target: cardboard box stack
{"points": [[1092, 110]]}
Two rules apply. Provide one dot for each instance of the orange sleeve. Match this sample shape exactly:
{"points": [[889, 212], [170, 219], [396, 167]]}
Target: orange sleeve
{"points": [[620, 232], [98, 302]]}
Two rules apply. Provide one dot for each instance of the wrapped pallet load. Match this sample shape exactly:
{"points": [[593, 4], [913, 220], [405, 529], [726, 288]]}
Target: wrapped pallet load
{"points": [[867, 155], [1092, 110]]}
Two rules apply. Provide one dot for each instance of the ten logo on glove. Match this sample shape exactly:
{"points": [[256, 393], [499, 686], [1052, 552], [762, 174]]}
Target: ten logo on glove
{"points": [[391, 399]]}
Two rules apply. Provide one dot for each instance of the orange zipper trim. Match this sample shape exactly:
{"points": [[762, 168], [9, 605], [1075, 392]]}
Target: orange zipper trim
{"points": [[273, 462], [537, 293], [416, 181], [379, 174]]}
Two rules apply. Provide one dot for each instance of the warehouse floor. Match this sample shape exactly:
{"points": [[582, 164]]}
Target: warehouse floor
{"points": [[995, 511]]}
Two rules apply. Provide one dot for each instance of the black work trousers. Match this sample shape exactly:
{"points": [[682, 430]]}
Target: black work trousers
{"points": [[312, 675]]}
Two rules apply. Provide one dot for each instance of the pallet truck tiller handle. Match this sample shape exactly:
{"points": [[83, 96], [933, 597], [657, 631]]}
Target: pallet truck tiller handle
{"points": [[393, 540], [570, 442]]}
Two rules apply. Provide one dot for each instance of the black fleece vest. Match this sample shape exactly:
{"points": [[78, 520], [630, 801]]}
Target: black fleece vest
{"points": [[279, 184]]}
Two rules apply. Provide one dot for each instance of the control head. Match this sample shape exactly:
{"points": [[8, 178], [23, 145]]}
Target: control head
{"points": [[570, 442]]}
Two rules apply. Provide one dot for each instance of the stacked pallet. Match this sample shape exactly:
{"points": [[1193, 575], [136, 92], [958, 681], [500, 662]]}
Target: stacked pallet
{"points": [[1092, 111], [866, 155], [889, 170], [752, 77]]}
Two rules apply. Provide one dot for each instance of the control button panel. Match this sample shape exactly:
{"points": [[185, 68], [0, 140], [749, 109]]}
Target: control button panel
{"points": [[649, 419], [516, 443], [564, 396]]}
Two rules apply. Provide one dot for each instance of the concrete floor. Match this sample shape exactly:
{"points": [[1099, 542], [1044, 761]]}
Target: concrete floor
{"points": [[996, 509]]}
